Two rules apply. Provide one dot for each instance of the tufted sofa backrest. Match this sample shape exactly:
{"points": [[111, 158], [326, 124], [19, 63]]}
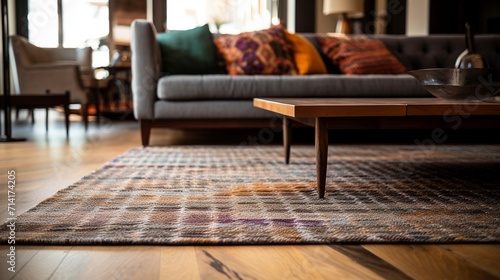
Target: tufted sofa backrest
{"points": [[434, 51], [440, 51]]}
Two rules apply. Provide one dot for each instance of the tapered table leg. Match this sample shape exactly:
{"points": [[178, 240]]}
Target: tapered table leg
{"points": [[321, 143], [287, 138]]}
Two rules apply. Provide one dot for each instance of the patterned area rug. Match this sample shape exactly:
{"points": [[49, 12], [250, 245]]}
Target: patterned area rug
{"points": [[246, 195]]}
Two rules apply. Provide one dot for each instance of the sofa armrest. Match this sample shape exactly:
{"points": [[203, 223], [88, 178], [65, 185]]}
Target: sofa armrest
{"points": [[146, 59]]}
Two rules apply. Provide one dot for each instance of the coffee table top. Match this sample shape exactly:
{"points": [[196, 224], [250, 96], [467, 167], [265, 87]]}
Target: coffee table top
{"points": [[376, 107]]}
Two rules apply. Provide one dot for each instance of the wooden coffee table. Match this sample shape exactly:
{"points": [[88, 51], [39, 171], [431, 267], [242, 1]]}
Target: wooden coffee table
{"points": [[323, 113]]}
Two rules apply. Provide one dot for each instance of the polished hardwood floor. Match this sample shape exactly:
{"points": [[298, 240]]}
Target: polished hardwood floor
{"points": [[48, 162]]}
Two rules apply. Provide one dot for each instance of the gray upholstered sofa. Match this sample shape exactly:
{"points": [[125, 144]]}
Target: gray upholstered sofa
{"points": [[188, 101]]}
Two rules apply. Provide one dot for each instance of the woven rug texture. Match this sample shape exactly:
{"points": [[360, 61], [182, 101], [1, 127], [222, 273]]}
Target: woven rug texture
{"points": [[247, 195]]}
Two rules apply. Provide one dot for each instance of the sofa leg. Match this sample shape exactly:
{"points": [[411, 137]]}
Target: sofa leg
{"points": [[145, 132]]}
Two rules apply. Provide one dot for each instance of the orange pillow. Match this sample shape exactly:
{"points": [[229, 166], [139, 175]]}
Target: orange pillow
{"points": [[360, 55], [307, 59]]}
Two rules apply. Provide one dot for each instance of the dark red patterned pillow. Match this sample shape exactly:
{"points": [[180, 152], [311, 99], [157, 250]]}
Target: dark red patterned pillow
{"points": [[360, 55], [257, 53]]}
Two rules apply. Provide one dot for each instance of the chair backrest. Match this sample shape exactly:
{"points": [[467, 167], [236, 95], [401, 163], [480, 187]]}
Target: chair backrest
{"points": [[22, 54], [26, 53]]}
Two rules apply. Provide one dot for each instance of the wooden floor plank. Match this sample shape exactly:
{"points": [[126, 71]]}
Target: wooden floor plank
{"points": [[179, 262], [48, 162], [43, 264], [254, 262], [332, 264], [120, 262], [370, 261], [487, 257], [23, 254], [428, 262]]}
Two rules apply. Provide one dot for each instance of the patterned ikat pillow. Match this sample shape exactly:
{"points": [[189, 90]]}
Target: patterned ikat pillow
{"points": [[360, 55], [264, 52]]}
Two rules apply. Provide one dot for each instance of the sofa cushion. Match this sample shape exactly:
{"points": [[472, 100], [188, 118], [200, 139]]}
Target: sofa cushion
{"points": [[213, 87], [257, 53], [209, 109], [360, 55], [188, 51], [307, 59]]}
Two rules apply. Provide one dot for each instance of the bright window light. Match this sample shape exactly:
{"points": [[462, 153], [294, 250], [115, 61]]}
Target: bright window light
{"points": [[224, 16], [84, 23], [43, 22]]}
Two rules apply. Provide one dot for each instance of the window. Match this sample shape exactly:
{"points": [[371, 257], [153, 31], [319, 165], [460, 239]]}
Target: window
{"points": [[84, 22], [70, 24], [43, 23], [224, 16]]}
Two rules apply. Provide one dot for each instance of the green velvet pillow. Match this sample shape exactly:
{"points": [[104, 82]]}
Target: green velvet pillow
{"points": [[188, 51]]}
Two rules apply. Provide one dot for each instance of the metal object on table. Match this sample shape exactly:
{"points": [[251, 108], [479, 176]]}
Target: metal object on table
{"points": [[459, 84], [470, 58]]}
